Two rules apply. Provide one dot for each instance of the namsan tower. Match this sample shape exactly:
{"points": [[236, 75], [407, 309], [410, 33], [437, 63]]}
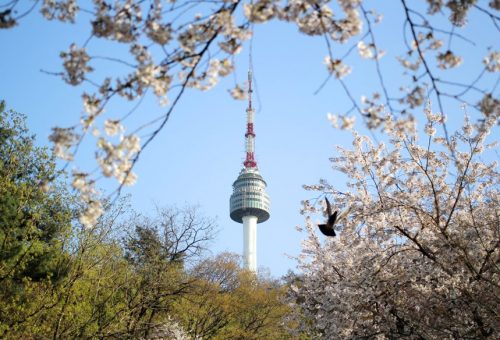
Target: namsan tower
{"points": [[249, 204]]}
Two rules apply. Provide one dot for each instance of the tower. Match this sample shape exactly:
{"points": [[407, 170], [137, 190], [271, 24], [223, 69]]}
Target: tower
{"points": [[249, 204]]}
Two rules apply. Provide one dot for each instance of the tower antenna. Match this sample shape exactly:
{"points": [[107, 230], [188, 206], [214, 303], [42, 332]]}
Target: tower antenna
{"points": [[250, 70], [250, 161]]}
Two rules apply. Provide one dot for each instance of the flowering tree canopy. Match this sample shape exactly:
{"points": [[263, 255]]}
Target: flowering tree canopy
{"points": [[175, 45], [417, 254]]}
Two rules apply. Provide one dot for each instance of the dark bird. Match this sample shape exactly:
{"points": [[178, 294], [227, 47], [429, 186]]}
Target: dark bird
{"points": [[6, 20], [328, 228]]}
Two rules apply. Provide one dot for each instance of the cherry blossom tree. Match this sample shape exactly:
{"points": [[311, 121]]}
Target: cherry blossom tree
{"points": [[176, 45], [417, 254]]}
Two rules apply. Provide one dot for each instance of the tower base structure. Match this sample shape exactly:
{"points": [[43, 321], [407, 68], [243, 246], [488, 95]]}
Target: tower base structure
{"points": [[250, 242]]}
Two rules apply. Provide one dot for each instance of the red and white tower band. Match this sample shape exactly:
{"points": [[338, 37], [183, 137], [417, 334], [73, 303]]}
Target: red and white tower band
{"points": [[250, 134]]}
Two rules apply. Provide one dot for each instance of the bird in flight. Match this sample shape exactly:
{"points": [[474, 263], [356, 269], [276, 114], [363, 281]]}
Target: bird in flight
{"points": [[328, 228]]}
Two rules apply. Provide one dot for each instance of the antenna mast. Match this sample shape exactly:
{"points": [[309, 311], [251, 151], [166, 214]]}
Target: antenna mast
{"points": [[250, 161]]}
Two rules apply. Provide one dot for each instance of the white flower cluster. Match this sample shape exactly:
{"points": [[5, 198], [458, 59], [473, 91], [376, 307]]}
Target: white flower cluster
{"points": [[116, 159], [231, 46], [157, 31], [216, 68], [118, 22], [168, 330], [155, 77], [233, 35], [92, 107], [63, 139], [147, 75], [415, 96], [63, 10], [223, 23], [458, 8], [369, 51], [373, 110], [317, 21], [75, 63], [448, 60], [89, 195], [337, 67], [490, 106], [492, 61], [433, 117], [238, 93], [346, 122], [426, 43], [409, 65], [202, 33], [312, 17], [260, 11], [112, 127]]}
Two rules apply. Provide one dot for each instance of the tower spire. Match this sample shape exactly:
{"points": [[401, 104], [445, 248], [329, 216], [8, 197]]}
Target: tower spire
{"points": [[250, 161], [250, 76]]}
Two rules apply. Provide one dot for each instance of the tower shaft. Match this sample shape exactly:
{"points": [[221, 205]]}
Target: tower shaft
{"points": [[250, 242]]}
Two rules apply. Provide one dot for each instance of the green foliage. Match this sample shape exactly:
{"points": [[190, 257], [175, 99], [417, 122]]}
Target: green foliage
{"points": [[34, 223], [232, 303]]}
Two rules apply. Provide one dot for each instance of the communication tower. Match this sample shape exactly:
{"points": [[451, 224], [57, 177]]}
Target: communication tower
{"points": [[249, 204]]}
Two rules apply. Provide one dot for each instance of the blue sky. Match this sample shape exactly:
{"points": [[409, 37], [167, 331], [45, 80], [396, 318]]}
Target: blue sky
{"points": [[199, 153]]}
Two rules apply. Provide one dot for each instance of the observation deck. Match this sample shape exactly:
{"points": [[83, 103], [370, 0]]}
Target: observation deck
{"points": [[249, 197]]}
